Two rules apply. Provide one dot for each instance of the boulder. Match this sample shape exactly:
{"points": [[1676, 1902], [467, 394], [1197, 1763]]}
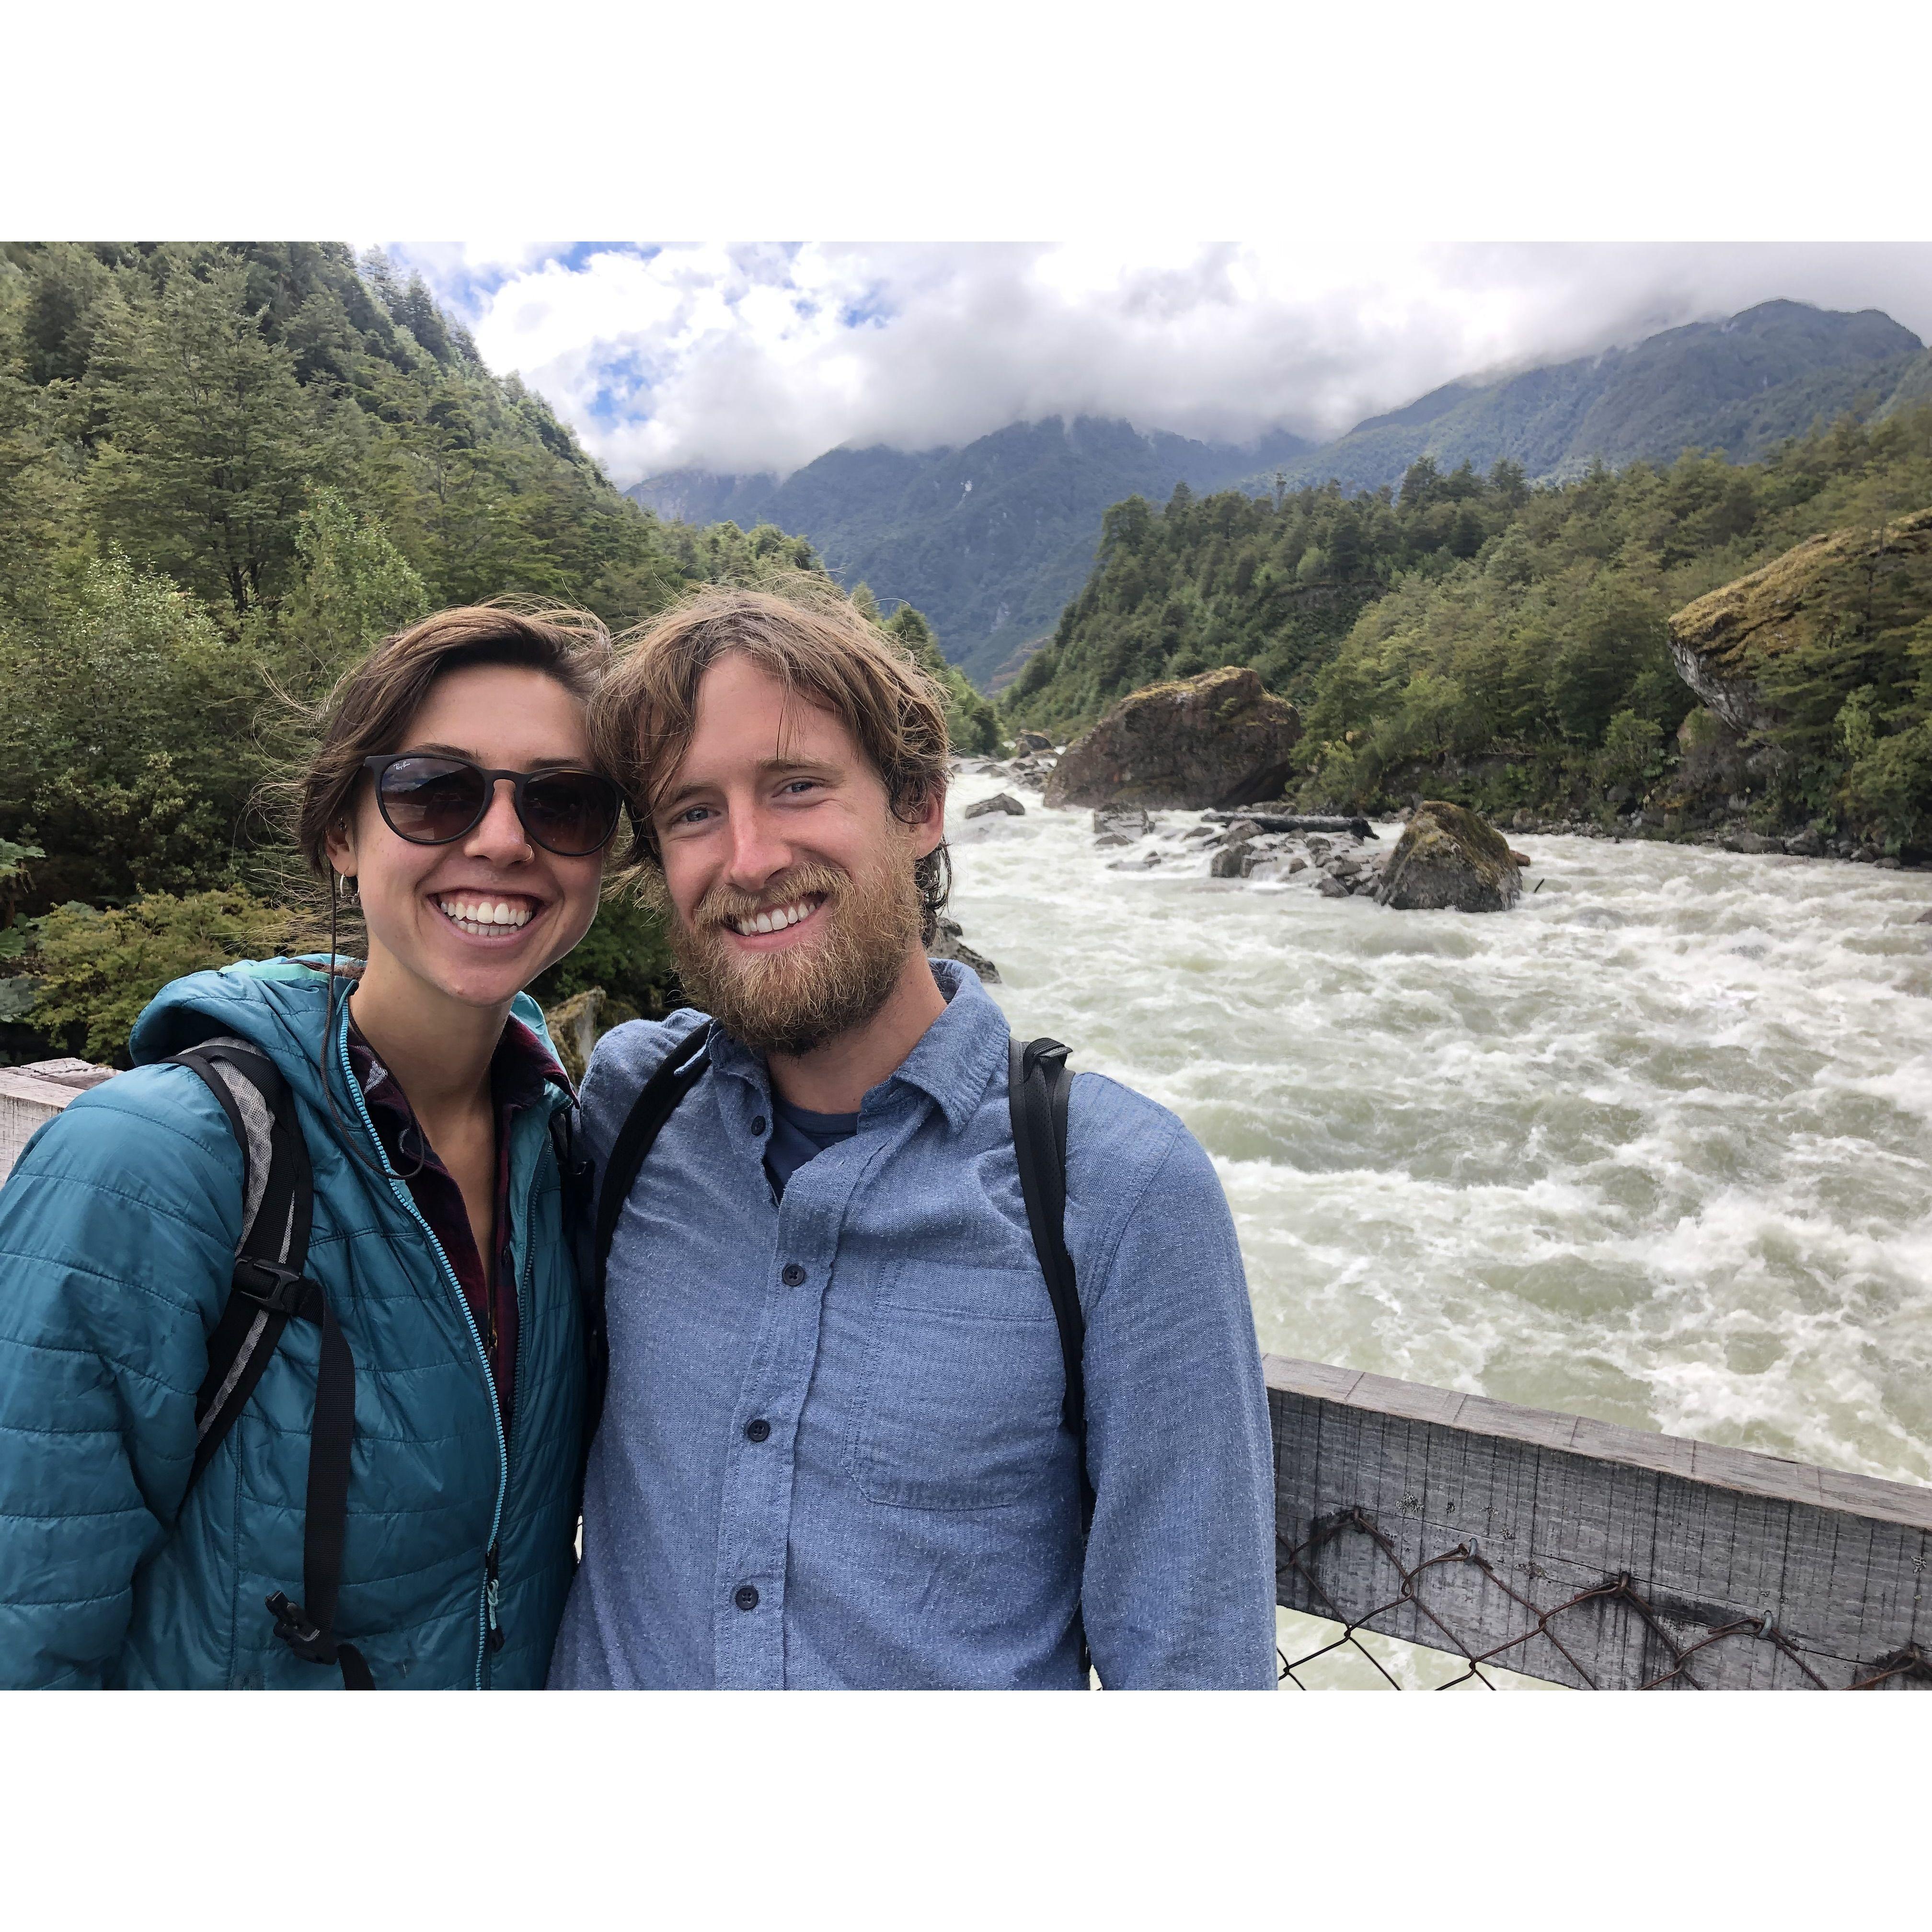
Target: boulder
{"points": [[1000, 801], [1446, 856], [1829, 589], [1025, 741], [1230, 861], [1217, 740]]}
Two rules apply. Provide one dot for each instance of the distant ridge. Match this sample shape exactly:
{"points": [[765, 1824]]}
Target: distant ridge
{"points": [[990, 541], [1740, 387]]}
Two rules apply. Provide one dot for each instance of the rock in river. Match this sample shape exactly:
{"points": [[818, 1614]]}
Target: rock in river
{"points": [[1000, 801], [1447, 856], [1219, 739], [946, 943]]}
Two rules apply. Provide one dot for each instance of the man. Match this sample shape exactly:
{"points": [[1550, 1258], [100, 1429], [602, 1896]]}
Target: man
{"points": [[833, 1453]]}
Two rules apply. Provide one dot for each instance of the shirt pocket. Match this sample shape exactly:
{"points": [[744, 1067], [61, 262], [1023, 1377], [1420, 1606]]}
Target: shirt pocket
{"points": [[961, 1405]]}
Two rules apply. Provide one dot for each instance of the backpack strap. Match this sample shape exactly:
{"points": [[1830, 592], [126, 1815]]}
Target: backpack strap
{"points": [[267, 1292], [677, 1073], [1038, 1085]]}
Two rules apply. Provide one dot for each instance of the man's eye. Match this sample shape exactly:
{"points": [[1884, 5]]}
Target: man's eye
{"points": [[796, 785], [691, 814]]}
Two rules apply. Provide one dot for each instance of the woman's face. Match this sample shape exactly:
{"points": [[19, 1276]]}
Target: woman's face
{"points": [[477, 920]]}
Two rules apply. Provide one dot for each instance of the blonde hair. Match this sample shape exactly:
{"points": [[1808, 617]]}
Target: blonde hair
{"points": [[812, 641]]}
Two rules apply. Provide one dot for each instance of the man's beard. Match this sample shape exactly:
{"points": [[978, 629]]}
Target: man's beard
{"points": [[796, 1001]]}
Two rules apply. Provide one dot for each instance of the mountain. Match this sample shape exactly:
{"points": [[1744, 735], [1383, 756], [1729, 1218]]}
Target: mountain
{"points": [[990, 541], [1740, 387]]}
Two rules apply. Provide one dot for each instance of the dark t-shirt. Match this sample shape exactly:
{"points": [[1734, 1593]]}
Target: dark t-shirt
{"points": [[798, 1135]]}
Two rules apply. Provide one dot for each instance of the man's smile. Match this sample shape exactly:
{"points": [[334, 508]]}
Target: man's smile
{"points": [[772, 920]]}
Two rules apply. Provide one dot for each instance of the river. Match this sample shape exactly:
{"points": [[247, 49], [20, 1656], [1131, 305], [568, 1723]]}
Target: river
{"points": [[1652, 1148]]}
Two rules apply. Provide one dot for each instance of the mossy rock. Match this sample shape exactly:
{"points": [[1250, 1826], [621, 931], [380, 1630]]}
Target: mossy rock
{"points": [[1220, 739], [1849, 587], [1449, 856]]}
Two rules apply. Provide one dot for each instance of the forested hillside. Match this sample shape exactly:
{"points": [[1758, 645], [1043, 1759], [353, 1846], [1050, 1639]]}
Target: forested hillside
{"points": [[988, 541], [1469, 634], [224, 471]]}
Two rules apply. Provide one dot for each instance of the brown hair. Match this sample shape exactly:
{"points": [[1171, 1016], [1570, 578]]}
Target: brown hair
{"points": [[372, 703], [813, 642]]}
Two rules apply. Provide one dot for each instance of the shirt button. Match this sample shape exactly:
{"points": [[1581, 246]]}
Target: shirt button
{"points": [[758, 1431], [792, 1275], [758, 1124], [745, 1596]]}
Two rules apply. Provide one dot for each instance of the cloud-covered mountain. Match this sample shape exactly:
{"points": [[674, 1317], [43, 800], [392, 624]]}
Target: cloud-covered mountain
{"points": [[990, 541], [1741, 387]]}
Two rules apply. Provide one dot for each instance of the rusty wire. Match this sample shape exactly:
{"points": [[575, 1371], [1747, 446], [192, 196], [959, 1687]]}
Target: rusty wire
{"points": [[1905, 1666]]}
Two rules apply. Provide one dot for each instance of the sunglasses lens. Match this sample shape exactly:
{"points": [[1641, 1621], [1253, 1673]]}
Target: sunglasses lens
{"points": [[572, 814], [430, 801]]}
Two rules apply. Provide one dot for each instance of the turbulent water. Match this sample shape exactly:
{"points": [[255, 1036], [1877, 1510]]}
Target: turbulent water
{"points": [[1653, 1148]]}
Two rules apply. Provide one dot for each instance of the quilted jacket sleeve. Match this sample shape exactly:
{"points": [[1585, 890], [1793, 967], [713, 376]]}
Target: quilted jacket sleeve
{"points": [[117, 1232]]}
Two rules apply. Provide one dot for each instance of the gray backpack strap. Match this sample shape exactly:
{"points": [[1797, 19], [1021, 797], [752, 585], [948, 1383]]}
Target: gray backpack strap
{"points": [[267, 1291], [277, 1195]]}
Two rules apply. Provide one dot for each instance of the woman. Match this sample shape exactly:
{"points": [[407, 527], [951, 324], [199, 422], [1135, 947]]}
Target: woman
{"points": [[454, 795]]}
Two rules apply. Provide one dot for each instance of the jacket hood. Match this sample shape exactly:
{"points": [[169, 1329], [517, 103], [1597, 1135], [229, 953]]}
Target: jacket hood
{"points": [[278, 1005]]}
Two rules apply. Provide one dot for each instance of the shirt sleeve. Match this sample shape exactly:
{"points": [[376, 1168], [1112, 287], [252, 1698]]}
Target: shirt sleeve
{"points": [[116, 1234], [1178, 1591]]}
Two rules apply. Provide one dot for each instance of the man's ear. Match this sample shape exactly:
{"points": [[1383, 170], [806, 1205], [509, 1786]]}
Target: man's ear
{"points": [[929, 828]]}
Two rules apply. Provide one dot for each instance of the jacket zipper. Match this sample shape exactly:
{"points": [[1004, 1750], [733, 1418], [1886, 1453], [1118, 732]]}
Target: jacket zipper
{"points": [[486, 1605], [493, 1625]]}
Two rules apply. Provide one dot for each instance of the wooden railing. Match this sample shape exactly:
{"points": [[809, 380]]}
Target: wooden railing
{"points": [[1592, 1556], [1545, 1544], [31, 1096]]}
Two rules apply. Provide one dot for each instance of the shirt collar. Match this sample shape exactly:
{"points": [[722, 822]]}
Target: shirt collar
{"points": [[955, 1056], [520, 1068]]}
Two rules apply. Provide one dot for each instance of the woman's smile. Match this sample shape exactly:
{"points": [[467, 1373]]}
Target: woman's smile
{"points": [[482, 913]]}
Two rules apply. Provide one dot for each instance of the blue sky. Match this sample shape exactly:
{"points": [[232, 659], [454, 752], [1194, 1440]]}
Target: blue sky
{"points": [[750, 356]]}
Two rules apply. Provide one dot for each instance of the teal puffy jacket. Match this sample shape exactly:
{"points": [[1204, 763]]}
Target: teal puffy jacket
{"points": [[118, 1230]]}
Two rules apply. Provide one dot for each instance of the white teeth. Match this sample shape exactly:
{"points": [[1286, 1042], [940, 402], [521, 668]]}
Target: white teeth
{"points": [[776, 920], [484, 917]]}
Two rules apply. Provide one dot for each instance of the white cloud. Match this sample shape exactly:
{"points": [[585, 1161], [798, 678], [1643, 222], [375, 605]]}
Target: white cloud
{"points": [[746, 357]]}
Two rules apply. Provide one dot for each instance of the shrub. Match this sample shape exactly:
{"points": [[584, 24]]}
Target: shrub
{"points": [[97, 970]]}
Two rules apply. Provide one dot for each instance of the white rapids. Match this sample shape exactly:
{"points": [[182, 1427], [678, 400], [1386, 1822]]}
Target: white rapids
{"points": [[1653, 1148]]}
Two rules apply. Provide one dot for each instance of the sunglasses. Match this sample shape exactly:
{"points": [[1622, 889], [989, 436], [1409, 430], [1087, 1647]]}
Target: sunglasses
{"points": [[432, 799]]}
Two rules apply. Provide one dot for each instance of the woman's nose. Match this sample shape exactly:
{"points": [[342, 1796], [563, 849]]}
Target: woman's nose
{"points": [[499, 834]]}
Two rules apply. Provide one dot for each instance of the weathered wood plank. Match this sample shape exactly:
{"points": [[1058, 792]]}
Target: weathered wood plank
{"points": [[30, 1096], [1637, 1558]]}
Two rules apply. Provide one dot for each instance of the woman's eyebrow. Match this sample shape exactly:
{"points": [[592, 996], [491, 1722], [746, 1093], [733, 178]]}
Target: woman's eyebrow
{"points": [[474, 758]]}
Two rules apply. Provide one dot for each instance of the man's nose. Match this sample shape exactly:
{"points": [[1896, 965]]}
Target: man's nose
{"points": [[498, 837], [759, 852]]}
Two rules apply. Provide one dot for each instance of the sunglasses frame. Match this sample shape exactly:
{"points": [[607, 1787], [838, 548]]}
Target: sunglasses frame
{"points": [[379, 763]]}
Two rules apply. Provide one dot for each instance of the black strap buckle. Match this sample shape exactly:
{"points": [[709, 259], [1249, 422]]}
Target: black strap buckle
{"points": [[281, 1290], [293, 1627]]}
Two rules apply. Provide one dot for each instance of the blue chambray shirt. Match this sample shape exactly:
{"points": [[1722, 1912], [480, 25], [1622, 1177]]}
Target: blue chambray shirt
{"points": [[833, 1453]]}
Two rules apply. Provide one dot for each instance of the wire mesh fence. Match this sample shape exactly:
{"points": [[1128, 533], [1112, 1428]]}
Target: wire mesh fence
{"points": [[1373, 1602]]}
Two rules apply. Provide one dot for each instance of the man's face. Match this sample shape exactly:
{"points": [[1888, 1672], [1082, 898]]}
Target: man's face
{"points": [[793, 908]]}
